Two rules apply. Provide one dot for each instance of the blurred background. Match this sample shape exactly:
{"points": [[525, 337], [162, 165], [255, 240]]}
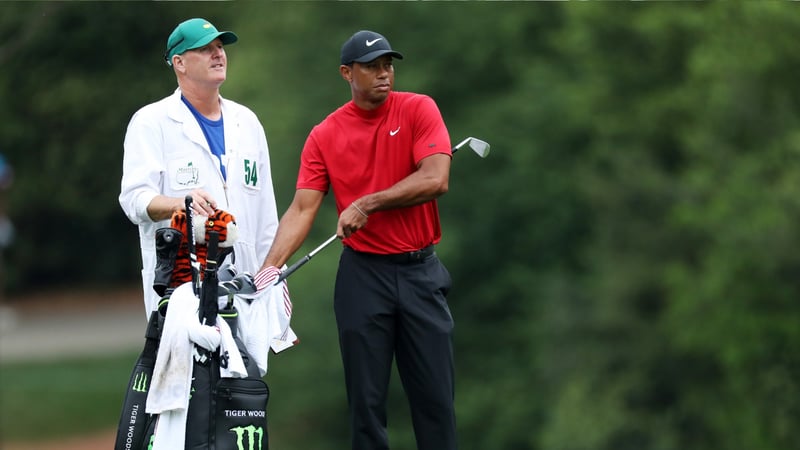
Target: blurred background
{"points": [[625, 263]]}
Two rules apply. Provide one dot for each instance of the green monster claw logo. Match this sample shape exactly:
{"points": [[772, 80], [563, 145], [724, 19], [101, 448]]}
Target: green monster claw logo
{"points": [[140, 382], [150, 444], [254, 434]]}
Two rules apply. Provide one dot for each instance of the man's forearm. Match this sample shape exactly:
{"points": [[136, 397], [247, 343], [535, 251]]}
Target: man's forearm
{"points": [[292, 231], [421, 186], [162, 207]]}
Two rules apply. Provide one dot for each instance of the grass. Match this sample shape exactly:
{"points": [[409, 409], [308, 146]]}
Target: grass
{"points": [[47, 400]]}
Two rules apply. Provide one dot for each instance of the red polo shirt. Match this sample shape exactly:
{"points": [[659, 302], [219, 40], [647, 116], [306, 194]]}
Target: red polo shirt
{"points": [[357, 152]]}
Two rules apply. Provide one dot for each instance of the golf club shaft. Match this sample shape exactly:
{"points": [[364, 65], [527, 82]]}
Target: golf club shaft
{"points": [[308, 257], [193, 263], [304, 260], [459, 145]]}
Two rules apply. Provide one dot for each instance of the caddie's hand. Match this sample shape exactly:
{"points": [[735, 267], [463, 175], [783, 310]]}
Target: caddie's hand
{"points": [[202, 202], [266, 277]]}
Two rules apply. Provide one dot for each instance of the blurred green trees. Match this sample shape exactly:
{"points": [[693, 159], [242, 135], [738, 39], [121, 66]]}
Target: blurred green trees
{"points": [[624, 263]]}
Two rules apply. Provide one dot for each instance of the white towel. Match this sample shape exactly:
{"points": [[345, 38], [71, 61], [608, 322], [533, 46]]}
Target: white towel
{"points": [[170, 432], [235, 367], [282, 313], [172, 374], [264, 323]]}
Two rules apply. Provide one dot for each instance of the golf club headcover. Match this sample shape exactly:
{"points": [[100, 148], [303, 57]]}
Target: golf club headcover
{"points": [[222, 222], [266, 277], [168, 241]]}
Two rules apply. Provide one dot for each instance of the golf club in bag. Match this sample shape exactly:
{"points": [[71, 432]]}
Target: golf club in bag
{"points": [[224, 413], [480, 147]]}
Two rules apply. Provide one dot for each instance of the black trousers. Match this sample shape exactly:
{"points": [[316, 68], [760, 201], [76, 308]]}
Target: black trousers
{"points": [[387, 309]]}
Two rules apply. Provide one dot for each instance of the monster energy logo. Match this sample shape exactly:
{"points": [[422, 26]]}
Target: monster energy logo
{"points": [[140, 382], [254, 434]]}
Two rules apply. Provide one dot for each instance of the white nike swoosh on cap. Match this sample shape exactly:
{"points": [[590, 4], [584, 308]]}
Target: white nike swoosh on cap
{"points": [[371, 43]]}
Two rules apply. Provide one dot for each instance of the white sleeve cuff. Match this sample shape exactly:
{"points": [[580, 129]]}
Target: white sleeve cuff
{"points": [[142, 202]]}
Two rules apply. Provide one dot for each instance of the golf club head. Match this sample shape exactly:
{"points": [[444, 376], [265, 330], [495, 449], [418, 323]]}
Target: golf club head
{"points": [[246, 283], [241, 284], [226, 288], [480, 147], [227, 272]]}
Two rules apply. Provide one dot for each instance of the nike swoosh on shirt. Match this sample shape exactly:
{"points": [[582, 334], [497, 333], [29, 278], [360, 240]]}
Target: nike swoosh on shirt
{"points": [[392, 133], [372, 42]]}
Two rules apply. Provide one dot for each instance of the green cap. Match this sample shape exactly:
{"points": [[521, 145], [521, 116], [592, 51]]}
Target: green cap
{"points": [[194, 33]]}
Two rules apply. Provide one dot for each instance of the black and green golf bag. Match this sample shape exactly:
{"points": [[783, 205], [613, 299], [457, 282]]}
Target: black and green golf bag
{"points": [[223, 413]]}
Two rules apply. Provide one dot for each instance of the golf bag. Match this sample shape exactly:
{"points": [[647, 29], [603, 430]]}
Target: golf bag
{"points": [[223, 413]]}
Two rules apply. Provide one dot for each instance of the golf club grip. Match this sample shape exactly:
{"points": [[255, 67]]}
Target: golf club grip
{"points": [[285, 274]]}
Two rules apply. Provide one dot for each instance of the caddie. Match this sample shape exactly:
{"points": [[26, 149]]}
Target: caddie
{"points": [[195, 142]]}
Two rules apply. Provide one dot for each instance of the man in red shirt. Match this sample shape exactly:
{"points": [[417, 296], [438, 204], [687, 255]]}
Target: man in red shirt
{"points": [[386, 156]]}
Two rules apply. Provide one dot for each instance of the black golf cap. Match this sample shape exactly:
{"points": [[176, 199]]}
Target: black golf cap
{"points": [[364, 46]]}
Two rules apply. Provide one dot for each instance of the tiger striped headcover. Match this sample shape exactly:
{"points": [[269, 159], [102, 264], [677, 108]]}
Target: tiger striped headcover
{"points": [[221, 221]]}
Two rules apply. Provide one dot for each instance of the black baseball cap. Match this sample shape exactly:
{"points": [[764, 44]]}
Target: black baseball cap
{"points": [[364, 46]]}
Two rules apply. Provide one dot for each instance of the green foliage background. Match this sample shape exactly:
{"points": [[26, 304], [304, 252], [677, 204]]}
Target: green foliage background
{"points": [[624, 262]]}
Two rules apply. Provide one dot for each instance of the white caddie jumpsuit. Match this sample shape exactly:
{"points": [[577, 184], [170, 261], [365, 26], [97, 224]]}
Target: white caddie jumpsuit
{"points": [[166, 153]]}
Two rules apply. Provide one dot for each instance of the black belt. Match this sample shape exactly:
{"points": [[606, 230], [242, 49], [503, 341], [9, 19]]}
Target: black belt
{"points": [[400, 258]]}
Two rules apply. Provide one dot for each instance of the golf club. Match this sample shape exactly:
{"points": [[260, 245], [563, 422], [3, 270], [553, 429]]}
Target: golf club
{"points": [[240, 284], [479, 146], [208, 299], [227, 272], [193, 262], [304, 260]]}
